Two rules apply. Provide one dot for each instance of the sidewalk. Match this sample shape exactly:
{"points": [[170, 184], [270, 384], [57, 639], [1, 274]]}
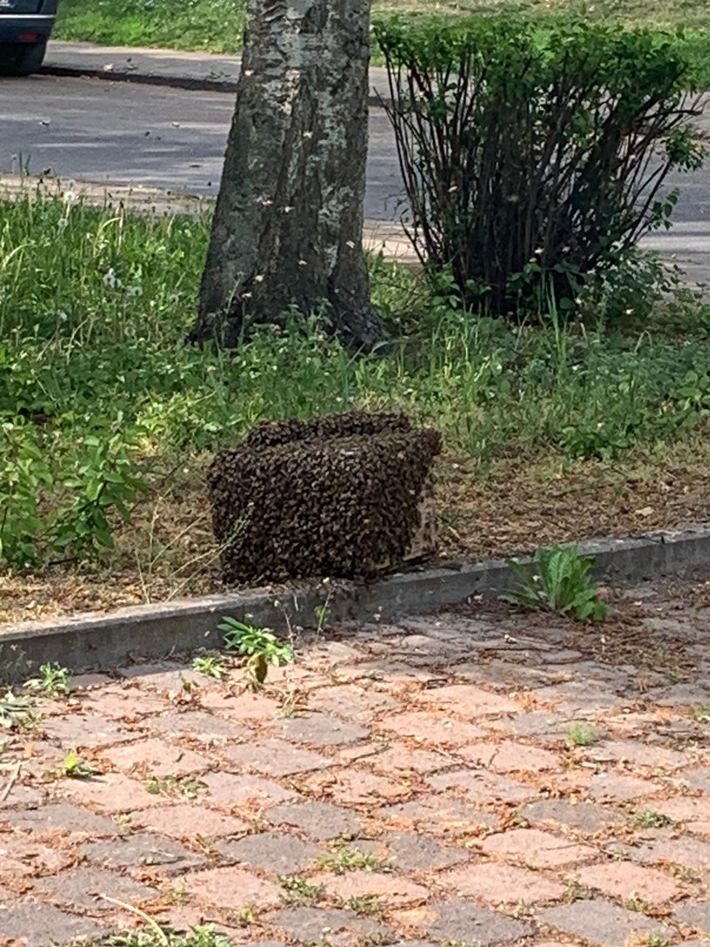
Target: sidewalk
{"points": [[473, 778], [160, 67]]}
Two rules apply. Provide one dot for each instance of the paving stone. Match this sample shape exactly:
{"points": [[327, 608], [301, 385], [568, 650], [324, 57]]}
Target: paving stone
{"points": [[501, 884], [695, 914], [698, 778], [537, 849], [467, 700], [275, 852], [402, 759], [166, 675], [139, 850], [585, 816], [482, 786], [155, 757], [21, 855], [619, 787], [689, 852], [322, 821], [356, 786], [468, 925], [437, 729], [275, 758], [335, 926], [350, 701], [510, 757], [392, 890], [246, 706], [61, 815], [188, 821], [690, 809], [624, 880], [640, 754], [683, 695], [601, 922], [199, 725], [321, 729], [77, 730], [438, 816], [81, 682], [231, 789], [20, 795], [414, 943], [542, 724], [123, 703], [232, 888], [41, 925], [410, 851], [110, 792], [81, 888]]}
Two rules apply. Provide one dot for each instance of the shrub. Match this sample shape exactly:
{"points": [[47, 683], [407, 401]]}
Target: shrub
{"points": [[534, 156]]}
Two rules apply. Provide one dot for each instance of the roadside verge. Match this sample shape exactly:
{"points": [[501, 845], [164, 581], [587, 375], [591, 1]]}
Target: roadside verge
{"points": [[156, 631]]}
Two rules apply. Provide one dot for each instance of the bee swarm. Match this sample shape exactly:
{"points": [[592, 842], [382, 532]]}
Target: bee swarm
{"points": [[346, 496]]}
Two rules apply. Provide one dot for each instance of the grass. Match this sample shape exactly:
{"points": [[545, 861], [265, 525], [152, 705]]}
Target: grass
{"points": [[216, 25], [582, 734], [551, 434]]}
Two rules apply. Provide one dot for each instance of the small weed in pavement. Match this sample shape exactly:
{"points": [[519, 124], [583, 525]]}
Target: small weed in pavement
{"points": [[581, 734], [259, 646], [183, 787], [17, 713], [73, 767], [701, 714], [298, 889], [52, 681], [561, 583], [364, 905], [155, 935], [650, 819], [210, 665], [347, 858]]}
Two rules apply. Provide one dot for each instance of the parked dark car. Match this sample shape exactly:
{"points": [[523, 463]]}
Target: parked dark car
{"points": [[25, 27]]}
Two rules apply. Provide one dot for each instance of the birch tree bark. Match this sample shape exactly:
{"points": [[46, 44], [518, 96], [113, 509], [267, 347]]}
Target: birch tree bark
{"points": [[287, 230]]}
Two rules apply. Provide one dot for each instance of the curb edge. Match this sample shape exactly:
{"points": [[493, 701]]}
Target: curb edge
{"points": [[157, 631]]}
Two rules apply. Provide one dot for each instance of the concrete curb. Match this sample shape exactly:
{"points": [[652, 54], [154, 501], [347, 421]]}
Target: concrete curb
{"points": [[189, 83], [156, 631]]}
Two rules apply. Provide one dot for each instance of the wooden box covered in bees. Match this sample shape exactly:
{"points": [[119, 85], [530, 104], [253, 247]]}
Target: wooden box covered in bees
{"points": [[347, 495]]}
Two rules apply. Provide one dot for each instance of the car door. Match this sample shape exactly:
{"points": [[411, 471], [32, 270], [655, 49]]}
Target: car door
{"points": [[20, 6]]}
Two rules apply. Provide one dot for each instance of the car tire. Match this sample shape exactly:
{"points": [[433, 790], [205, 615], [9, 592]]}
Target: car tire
{"points": [[22, 59]]}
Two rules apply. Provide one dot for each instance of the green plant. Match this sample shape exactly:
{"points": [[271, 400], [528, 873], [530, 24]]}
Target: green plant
{"points": [[650, 819], [156, 935], [365, 905], [72, 767], [104, 483], [561, 583], [53, 681], [24, 472], [299, 890], [346, 858], [210, 665], [260, 646], [533, 151], [17, 713], [582, 734], [701, 714], [185, 787]]}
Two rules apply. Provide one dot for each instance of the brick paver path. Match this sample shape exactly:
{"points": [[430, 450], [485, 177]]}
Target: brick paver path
{"points": [[471, 778]]}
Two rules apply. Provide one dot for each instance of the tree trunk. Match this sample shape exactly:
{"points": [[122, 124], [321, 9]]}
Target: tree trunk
{"points": [[287, 230]]}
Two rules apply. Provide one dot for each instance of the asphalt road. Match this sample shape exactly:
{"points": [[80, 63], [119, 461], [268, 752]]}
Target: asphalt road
{"points": [[96, 130], [125, 133]]}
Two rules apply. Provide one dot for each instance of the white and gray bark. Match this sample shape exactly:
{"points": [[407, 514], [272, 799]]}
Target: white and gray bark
{"points": [[287, 230]]}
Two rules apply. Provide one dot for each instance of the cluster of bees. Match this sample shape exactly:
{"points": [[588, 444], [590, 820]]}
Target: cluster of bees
{"points": [[344, 496]]}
